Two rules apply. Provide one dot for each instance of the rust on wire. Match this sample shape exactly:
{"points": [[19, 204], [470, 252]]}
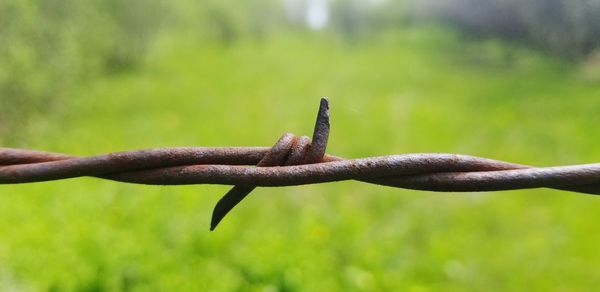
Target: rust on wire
{"points": [[289, 150], [293, 161]]}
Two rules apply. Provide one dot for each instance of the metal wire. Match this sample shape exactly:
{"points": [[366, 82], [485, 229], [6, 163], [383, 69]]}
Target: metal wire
{"points": [[293, 161]]}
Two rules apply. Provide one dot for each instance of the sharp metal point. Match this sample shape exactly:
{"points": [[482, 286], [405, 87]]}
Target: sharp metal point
{"points": [[316, 152], [320, 133]]}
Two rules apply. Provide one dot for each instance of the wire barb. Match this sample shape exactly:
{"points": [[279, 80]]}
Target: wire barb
{"points": [[289, 150], [293, 161]]}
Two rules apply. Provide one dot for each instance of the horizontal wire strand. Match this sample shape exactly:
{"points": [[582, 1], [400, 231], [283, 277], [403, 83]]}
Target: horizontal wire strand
{"points": [[226, 165], [293, 161]]}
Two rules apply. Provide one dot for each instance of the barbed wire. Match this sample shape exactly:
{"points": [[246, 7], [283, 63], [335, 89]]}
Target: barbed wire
{"points": [[293, 161]]}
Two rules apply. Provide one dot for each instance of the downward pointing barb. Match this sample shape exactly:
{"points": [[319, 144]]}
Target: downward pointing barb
{"points": [[288, 150], [276, 156]]}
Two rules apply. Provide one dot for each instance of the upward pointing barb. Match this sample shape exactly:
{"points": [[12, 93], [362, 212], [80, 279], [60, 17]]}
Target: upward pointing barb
{"points": [[288, 150], [320, 133]]}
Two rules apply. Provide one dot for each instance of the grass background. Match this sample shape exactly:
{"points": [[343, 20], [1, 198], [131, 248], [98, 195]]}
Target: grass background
{"points": [[420, 89]]}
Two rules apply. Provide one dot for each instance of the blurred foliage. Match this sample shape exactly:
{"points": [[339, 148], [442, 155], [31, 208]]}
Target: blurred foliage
{"points": [[235, 72], [354, 19], [410, 90], [48, 47], [227, 21], [567, 28]]}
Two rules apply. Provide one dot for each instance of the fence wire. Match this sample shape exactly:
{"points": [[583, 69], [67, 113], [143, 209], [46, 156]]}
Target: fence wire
{"points": [[293, 161]]}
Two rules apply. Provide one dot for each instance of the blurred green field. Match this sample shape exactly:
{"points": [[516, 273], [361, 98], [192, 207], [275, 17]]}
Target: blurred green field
{"points": [[410, 90]]}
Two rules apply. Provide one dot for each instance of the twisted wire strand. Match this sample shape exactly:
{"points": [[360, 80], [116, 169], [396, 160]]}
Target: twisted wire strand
{"points": [[207, 165], [293, 161]]}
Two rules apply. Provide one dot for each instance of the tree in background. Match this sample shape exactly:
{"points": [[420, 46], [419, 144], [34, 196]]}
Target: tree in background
{"points": [[567, 28], [49, 46]]}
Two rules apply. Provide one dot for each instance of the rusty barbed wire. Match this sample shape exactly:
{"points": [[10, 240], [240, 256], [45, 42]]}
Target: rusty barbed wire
{"points": [[293, 161]]}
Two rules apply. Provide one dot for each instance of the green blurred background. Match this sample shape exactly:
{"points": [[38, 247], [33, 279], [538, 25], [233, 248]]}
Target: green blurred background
{"points": [[511, 80]]}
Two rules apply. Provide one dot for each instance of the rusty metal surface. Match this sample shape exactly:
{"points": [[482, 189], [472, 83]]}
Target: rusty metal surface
{"points": [[289, 150], [293, 161]]}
